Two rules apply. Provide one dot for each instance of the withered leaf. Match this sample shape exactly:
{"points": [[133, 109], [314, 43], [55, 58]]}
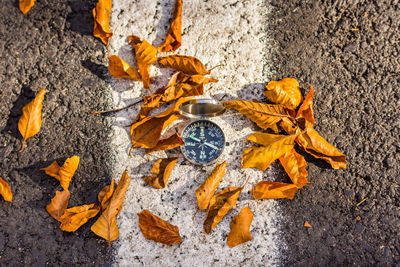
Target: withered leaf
{"points": [[285, 92], [264, 115], [26, 5], [205, 192], [171, 142], [306, 109], [75, 217], [288, 126], [58, 204], [274, 146], [65, 172], [101, 15], [106, 224], [220, 204], [155, 228], [120, 69], [307, 224], [173, 40], [240, 228], [295, 166], [186, 64], [162, 170], [5, 190], [268, 190], [31, 120], [145, 55], [105, 195]]}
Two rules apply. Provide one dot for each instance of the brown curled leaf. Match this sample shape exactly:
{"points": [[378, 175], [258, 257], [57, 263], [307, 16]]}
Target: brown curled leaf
{"points": [[171, 142], [162, 169], [101, 15], [120, 69], [274, 190], [26, 5], [240, 228], [75, 217], [5, 190], [285, 92], [295, 166], [306, 109], [173, 40], [185, 64], [65, 172], [31, 120], [205, 192], [155, 228], [58, 204], [105, 195]]}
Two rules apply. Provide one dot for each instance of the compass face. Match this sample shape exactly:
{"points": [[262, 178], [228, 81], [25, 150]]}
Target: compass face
{"points": [[204, 142]]}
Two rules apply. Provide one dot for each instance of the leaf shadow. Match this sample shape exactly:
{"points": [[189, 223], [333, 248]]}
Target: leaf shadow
{"points": [[80, 19], [99, 70], [162, 27]]}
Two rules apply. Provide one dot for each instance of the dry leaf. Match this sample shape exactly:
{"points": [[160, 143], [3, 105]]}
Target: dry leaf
{"points": [[162, 170], [105, 195], [75, 217], [120, 69], [155, 228], [101, 15], [306, 109], [307, 224], [205, 192], [145, 55], [171, 142], [274, 146], [316, 145], [264, 115], [31, 120], [5, 190], [240, 228], [268, 190], [295, 166], [58, 204], [65, 172], [285, 92], [26, 5], [186, 64], [173, 40], [288, 125], [220, 204], [106, 224]]}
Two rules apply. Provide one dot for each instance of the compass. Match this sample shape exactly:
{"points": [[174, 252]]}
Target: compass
{"points": [[204, 140]]}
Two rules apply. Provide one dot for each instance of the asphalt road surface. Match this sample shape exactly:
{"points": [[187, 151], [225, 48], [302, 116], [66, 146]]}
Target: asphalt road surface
{"points": [[348, 50]]}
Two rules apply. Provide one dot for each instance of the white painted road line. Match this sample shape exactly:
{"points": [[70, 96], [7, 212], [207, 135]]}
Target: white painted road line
{"points": [[231, 33]]}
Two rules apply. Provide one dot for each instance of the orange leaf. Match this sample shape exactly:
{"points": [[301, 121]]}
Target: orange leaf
{"points": [[274, 146], [58, 204], [285, 92], [155, 228], [173, 40], [171, 142], [105, 195], [288, 125], [268, 189], [31, 120], [240, 228], [75, 217], [145, 55], [295, 166], [26, 5], [120, 69], [162, 169], [316, 145], [5, 190], [101, 15], [205, 192], [220, 204], [65, 172], [186, 64], [106, 224], [264, 115], [306, 109], [307, 224]]}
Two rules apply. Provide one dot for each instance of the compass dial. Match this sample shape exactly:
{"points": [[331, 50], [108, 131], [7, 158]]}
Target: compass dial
{"points": [[204, 142]]}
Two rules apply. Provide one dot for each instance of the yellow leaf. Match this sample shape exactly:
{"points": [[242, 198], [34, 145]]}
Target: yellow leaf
{"points": [[120, 69], [58, 204], [173, 40], [264, 115], [105, 195], [106, 224], [162, 169], [101, 15], [306, 109], [5, 190], [240, 228], [268, 190], [307, 224], [274, 146], [205, 192], [65, 172], [75, 217], [171, 142], [295, 166], [285, 92], [26, 5], [186, 64], [31, 120]]}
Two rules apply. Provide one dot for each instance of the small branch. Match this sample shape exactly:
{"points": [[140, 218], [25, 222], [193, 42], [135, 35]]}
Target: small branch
{"points": [[116, 110], [362, 201]]}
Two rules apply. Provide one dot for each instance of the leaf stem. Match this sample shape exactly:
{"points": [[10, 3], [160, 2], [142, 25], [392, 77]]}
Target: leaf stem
{"points": [[116, 110]]}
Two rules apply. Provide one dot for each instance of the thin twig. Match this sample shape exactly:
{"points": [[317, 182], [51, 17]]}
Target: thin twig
{"points": [[118, 109], [362, 201]]}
